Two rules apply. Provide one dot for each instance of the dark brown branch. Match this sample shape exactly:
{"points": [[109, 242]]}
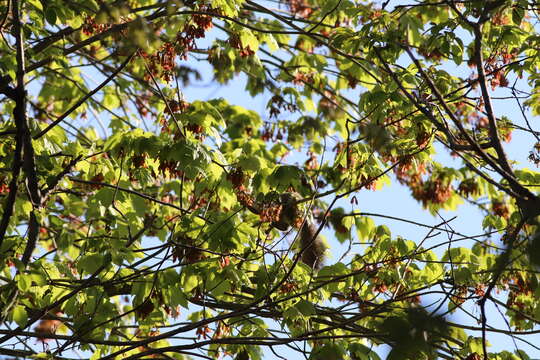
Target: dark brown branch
{"points": [[48, 41], [59, 177], [500, 266], [24, 151], [25, 354], [493, 130], [144, 196]]}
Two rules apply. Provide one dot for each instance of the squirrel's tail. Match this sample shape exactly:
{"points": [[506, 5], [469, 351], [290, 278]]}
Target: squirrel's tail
{"points": [[312, 246]]}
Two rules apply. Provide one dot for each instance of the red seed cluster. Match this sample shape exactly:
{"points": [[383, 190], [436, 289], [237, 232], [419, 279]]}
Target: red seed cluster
{"points": [[244, 198], [197, 201], [196, 30], [90, 27], [288, 286], [4, 187], [494, 66], [236, 43], [299, 8], [406, 172], [499, 208], [170, 168], [236, 177], [433, 54], [469, 187], [203, 332], [434, 191], [302, 78], [178, 106], [277, 103], [163, 62]]}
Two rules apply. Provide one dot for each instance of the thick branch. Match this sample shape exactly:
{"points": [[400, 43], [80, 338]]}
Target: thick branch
{"points": [[24, 151], [21, 122], [500, 266], [493, 130]]}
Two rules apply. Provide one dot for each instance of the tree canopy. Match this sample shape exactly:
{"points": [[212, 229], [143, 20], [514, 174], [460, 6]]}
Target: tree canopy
{"points": [[138, 221]]}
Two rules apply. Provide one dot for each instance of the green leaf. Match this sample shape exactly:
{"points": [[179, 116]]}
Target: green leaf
{"points": [[190, 282], [361, 351], [50, 15], [24, 282], [328, 351], [88, 264], [252, 163], [287, 175], [248, 39], [178, 297], [292, 313], [305, 308], [463, 275], [20, 316]]}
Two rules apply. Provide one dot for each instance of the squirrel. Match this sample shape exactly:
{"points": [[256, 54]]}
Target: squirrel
{"points": [[312, 247]]}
